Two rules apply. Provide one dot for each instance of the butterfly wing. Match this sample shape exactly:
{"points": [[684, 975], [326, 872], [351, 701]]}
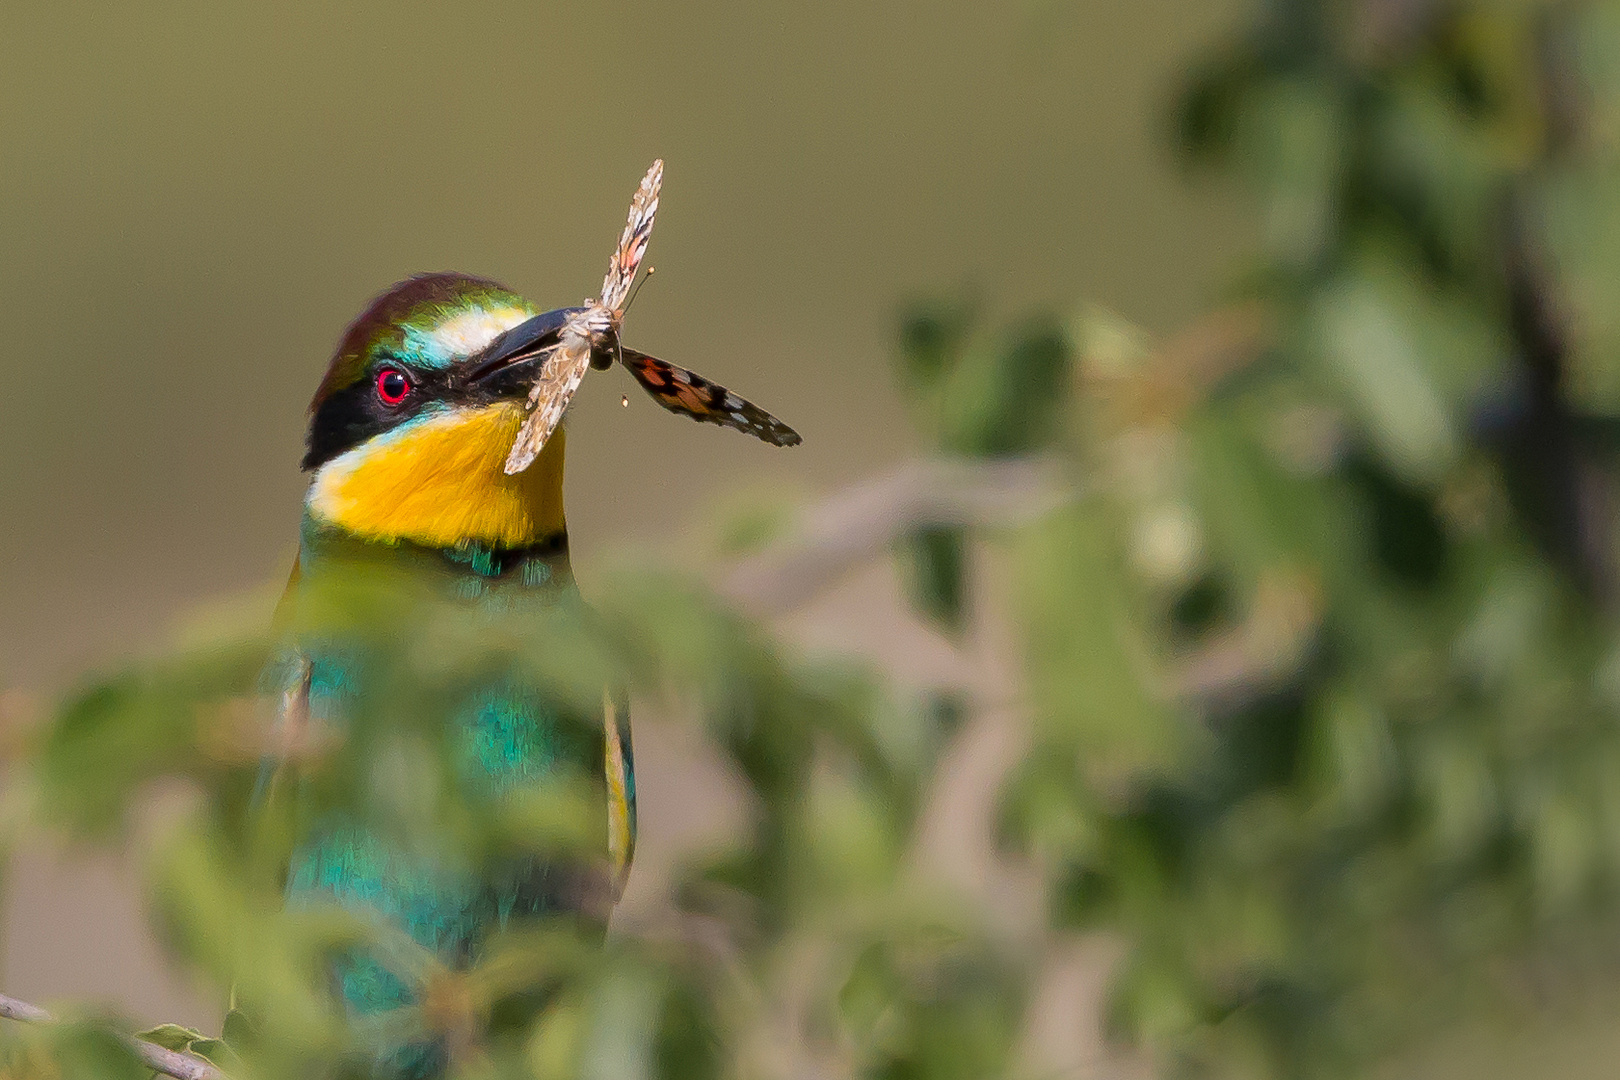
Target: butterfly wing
{"points": [[690, 394], [588, 330], [633, 241], [560, 376]]}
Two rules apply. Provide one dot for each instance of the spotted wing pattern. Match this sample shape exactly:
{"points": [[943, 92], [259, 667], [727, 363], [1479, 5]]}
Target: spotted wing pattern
{"points": [[690, 394], [632, 242]]}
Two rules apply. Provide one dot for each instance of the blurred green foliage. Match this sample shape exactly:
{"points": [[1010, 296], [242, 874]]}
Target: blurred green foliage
{"points": [[1319, 648], [835, 771]]}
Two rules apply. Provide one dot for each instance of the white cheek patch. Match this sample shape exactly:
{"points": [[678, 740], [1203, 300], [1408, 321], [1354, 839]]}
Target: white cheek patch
{"points": [[466, 333]]}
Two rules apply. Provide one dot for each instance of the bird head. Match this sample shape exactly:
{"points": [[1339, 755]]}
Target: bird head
{"points": [[419, 408]]}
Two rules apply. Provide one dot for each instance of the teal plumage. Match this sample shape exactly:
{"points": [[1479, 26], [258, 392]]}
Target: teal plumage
{"points": [[501, 733]]}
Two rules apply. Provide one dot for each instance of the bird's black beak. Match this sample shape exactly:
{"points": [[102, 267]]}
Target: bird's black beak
{"points": [[505, 366], [504, 363]]}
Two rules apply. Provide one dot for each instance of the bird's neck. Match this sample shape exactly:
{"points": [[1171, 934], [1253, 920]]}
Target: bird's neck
{"points": [[438, 482], [469, 571]]}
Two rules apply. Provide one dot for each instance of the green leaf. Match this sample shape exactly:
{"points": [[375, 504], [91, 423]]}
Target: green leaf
{"points": [[171, 1036], [1368, 341], [1090, 662], [1286, 136], [932, 336], [238, 1030], [1008, 395], [216, 1051], [933, 561]]}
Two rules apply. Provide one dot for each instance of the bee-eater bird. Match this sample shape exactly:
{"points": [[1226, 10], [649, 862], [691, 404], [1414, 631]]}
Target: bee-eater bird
{"points": [[437, 457], [408, 436], [411, 446]]}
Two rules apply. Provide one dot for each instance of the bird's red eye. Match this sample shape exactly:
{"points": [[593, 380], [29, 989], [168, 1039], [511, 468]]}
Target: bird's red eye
{"points": [[392, 386]]}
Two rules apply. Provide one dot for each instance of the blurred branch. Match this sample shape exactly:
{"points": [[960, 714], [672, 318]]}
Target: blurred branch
{"points": [[1260, 652], [175, 1063], [1217, 345], [1188, 366], [861, 521], [19, 713]]}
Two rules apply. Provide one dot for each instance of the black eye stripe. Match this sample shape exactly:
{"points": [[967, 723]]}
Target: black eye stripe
{"points": [[359, 411]]}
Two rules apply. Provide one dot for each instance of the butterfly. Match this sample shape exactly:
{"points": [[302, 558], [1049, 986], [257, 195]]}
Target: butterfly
{"points": [[588, 337]]}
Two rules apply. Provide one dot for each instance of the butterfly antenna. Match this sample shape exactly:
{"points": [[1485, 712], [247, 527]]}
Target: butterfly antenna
{"points": [[636, 291]]}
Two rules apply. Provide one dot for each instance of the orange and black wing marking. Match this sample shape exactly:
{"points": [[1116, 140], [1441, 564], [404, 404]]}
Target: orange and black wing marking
{"points": [[690, 394]]}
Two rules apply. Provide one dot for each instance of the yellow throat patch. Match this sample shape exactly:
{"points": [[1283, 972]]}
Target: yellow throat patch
{"points": [[437, 480]]}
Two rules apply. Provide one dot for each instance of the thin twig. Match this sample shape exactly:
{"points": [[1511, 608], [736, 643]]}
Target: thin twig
{"points": [[175, 1063], [862, 521], [12, 1009]]}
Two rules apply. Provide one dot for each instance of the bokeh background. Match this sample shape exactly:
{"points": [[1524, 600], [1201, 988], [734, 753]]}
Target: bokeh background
{"points": [[194, 199], [197, 198]]}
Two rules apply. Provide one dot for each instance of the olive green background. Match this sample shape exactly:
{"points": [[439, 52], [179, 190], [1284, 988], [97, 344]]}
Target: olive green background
{"points": [[196, 197]]}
